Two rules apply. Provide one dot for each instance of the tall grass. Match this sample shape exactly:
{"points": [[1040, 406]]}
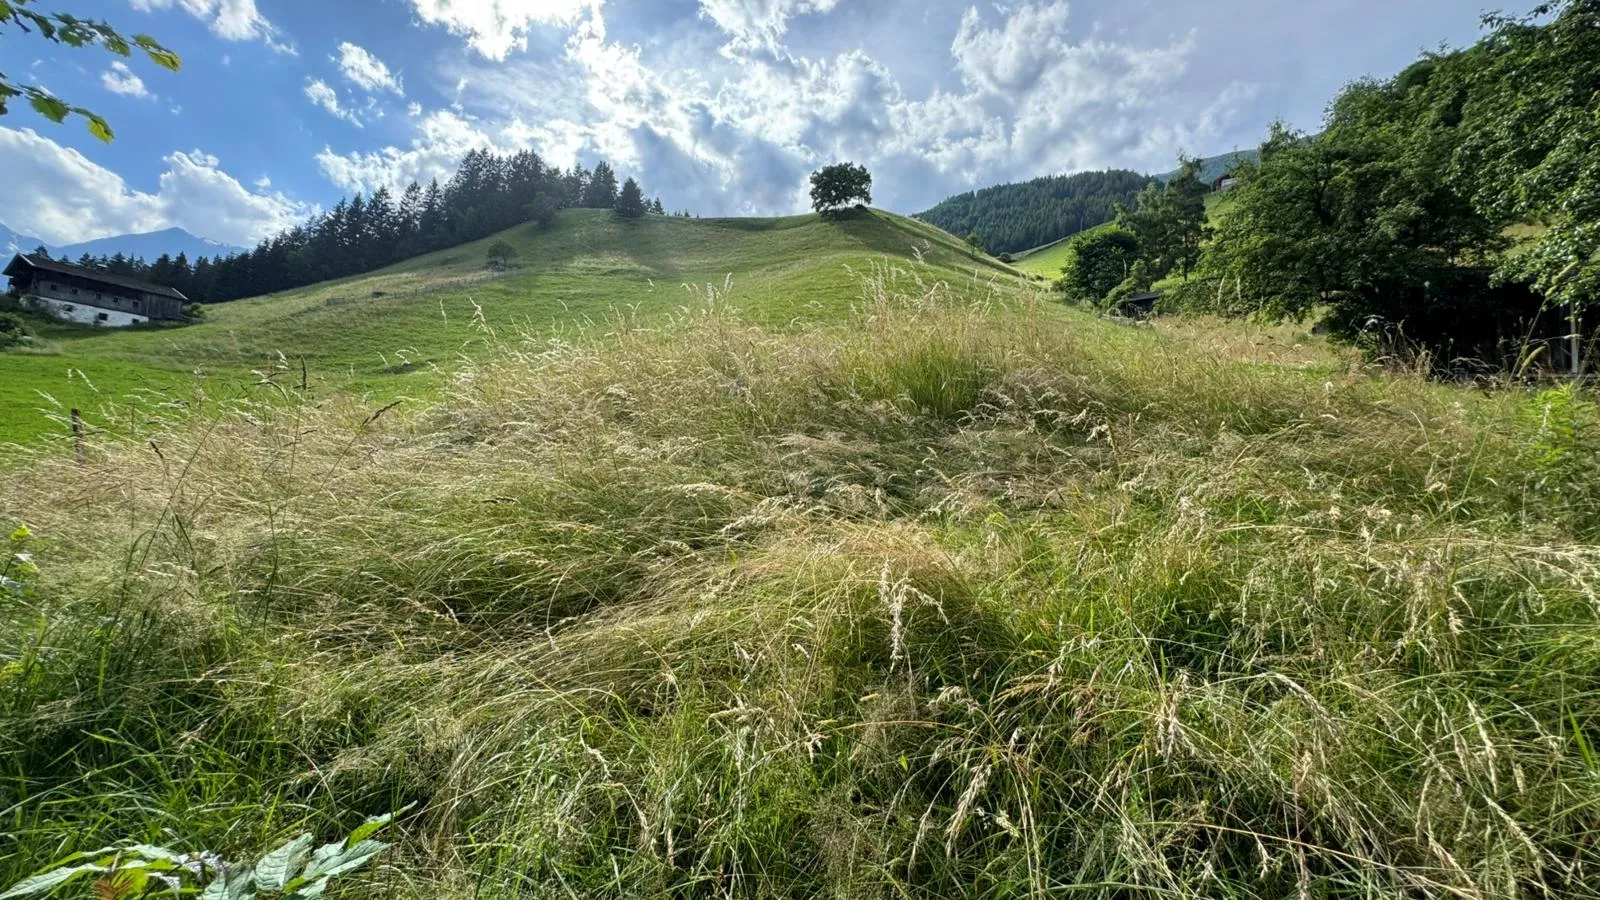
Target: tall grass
{"points": [[963, 599]]}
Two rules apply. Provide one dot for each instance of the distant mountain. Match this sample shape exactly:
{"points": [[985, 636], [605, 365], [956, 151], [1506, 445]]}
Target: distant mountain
{"points": [[1010, 218], [11, 242], [1214, 167], [149, 246]]}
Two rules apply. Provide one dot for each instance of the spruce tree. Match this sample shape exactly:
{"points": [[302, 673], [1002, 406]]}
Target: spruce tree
{"points": [[630, 203], [602, 190]]}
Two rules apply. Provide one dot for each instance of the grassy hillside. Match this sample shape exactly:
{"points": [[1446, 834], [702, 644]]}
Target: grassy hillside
{"points": [[392, 332], [1013, 217], [1049, 259], [1214, 167], [951, 596]]}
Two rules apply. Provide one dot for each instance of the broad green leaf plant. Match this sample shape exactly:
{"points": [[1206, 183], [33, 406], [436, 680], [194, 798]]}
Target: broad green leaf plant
{"points": [[17, 568], [72, 31], [293, 871]]}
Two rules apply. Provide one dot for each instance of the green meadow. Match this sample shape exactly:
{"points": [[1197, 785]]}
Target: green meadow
{"points": [[789, 558], [394, 332]]}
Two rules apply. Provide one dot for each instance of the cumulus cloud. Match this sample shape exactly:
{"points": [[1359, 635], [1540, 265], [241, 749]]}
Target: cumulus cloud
{"points": [[443, 138], [60, 196], [1023, 91], [233, 20], [1014, 56], [496, 27], [759, 22], [119, 79], [321, 94], [367, 71]]}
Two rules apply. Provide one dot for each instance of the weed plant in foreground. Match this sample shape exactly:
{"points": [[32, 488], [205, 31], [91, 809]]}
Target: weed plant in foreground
{"points": [[963, 599]]}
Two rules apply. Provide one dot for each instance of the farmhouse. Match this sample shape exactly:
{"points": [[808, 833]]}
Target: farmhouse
{"points": [[91, 296]]}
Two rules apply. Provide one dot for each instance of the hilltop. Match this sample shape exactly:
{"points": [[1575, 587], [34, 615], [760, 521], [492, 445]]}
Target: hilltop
{"points": [[395, 330]]}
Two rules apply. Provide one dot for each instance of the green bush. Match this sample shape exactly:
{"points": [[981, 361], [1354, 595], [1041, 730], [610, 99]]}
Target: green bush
{"points": [[13, 330]]}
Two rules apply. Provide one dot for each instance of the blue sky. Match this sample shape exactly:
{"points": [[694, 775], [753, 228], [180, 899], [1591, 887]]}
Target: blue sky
{"points": [[720, 106]]}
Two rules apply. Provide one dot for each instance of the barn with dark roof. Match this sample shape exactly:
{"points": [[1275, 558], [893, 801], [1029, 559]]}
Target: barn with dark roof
{"points": [[91, 296]]}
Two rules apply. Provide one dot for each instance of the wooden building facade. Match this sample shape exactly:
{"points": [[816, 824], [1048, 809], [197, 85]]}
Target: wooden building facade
{"points": [[91, 296]]}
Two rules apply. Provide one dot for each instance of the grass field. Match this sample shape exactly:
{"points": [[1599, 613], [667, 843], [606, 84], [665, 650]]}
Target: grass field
{"points": [[899, 583], [1046, 261], [394, 332]]}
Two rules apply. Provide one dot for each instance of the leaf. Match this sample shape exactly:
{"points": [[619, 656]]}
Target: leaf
{"points": [[48, 881], [314, 889], [277, 869], [158, 54], [345, 859], [237, 887], [98, 126], [48, 106], [371, 826], [150, 851]]}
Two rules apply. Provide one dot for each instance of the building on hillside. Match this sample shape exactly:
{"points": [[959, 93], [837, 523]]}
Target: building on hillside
{"points": [[1225, 183], [91, 296], [1139, 306]]}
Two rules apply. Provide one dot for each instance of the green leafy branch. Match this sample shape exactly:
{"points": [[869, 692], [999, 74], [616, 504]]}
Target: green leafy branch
{"points": [[293, 871], [72, 31]]}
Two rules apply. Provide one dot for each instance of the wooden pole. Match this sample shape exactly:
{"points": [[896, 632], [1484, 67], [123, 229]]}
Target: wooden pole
{"points": [[77, 435]]}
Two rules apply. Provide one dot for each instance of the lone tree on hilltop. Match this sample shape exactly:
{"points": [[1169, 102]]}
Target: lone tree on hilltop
{"points": [[837, 187], [630, 203]]}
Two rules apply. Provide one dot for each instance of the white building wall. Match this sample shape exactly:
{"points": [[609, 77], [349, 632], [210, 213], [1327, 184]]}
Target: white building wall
{"points": [[82, 313]]}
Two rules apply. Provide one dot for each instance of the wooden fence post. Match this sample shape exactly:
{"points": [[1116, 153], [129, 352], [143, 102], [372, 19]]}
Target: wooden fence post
{"points": [[77, 435]]}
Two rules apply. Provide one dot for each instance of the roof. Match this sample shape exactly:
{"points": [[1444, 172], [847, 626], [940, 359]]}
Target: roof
{"points": [[22, 262], [1140, 298]]}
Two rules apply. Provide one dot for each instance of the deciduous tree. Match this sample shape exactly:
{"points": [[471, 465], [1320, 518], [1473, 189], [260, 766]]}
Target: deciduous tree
{"points": [[72, 31], [1098, 261], [838, 187]]}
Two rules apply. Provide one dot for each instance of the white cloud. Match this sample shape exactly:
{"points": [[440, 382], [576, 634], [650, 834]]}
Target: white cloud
{"points": [[233, 20], [414, 109], [119, 79], [1014, 56], [319, 93], [759, 22], [496, 27], [443, 138], [60, 196], [367, 71], [729, 120]]}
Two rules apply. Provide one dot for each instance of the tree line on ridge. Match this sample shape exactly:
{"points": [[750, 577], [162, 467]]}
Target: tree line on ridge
{"points": [[488, 193]]}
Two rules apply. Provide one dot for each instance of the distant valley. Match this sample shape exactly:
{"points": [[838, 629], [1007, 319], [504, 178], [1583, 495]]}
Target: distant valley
{"points": [[1021, 216]]}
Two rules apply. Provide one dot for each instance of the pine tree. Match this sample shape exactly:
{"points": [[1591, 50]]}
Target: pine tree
{"points": [[602, 191], [430, 224], [630, 202]]}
